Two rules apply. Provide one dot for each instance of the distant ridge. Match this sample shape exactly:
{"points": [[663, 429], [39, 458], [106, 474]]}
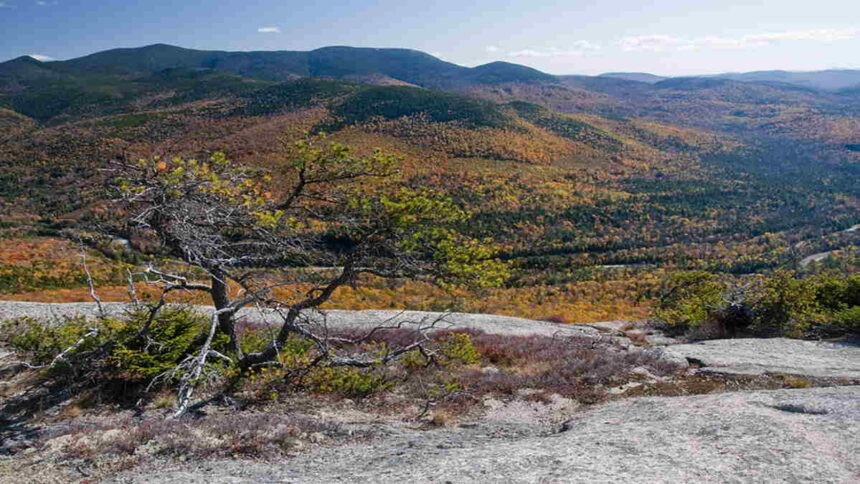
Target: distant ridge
{"points": [[375, 65], [635, 76], [339, 62], [828, 80]]}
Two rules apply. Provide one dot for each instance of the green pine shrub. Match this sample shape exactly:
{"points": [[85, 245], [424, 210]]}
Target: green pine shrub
{"points": [[690, 299], [125, 348]]}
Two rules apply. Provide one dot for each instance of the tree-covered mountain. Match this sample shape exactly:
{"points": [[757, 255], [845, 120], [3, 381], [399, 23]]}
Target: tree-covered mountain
{"points": [[404, 65], [573, 175]]}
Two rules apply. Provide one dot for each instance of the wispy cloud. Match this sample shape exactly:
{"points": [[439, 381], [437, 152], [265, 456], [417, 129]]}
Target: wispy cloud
{"points": [[6, 5], [269, 30], [670, 43], [41, 58], [653, 43], [46, 3], [578, 48], [492, 49]]}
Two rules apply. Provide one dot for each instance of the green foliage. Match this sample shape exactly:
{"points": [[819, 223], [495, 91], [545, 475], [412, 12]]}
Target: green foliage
{"points": [[346, 381], [41, 342], [300, 368], [458, 348], [787, 304], [337, 162], [116, 348], [170, 337], [836, 294], [392, 102], [424, 224], [847, 319], [505, 72], [177, 180], [690, 299], [469, 262], [255, 339], [53, 99], [295, 94], [839, 301], [782, 303]]}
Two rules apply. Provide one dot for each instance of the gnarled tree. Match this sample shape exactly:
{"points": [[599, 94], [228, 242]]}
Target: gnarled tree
{"points": [[324, 208]]}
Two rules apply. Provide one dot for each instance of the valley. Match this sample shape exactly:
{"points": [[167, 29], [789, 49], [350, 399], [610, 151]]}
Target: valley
{"points": [[566, 173]]}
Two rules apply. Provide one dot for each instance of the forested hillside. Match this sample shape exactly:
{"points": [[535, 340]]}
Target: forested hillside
{"points": [[595, 187]]}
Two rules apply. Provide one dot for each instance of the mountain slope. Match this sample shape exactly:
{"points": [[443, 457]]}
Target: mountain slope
{"points": [[566, 172]]}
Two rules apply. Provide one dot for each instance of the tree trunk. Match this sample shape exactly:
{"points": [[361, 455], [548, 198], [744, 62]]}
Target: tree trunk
{"points": [[289, 324], [226, 321]]}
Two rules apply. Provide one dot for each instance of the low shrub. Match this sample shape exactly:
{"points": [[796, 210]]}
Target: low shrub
{"points": [[786, 305], [40, 342], [131, 349], [780, 304], [847, 320], [690, 299], [458, 348]]}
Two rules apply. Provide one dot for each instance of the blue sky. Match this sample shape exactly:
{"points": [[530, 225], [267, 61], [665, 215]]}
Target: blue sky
{"points": [[561, 37]]}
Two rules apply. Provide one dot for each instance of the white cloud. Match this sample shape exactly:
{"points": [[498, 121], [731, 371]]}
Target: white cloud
{"points": [[41, 58], [45, 3], [269, 30], [529, 53], [492, 49], [818, 35], [653, 43], [669, 43], [576, 49], [585, 45]]}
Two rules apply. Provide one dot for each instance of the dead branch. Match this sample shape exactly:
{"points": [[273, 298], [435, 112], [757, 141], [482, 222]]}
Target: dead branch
{"points": [[92, 288], [189, 380], [62, 356], [132, 290]]}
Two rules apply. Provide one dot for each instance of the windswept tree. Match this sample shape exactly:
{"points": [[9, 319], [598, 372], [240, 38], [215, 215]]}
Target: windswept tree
{"points": [[325, 208]]}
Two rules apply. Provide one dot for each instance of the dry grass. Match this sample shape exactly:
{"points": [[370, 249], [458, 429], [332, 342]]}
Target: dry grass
{"points": [[247, 434]]}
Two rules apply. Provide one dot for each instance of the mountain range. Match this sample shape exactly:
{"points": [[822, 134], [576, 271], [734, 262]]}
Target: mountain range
{"points": [[566, 172], [377, 65]]}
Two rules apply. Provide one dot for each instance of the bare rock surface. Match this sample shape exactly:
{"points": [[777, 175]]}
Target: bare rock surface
{"points": [[801, 435], [796, 435], [756, 356], [335, 318], [627, 329]]}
